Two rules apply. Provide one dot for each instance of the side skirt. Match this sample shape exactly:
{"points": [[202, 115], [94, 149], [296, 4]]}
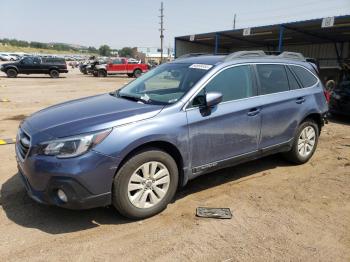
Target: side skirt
{"points": [[208, 168]]}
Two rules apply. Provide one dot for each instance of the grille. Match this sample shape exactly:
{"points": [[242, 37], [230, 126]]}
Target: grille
{"points": [[22, 144]]}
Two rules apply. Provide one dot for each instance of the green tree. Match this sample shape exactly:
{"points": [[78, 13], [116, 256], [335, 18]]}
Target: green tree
{"points": [[104, 50], [126, 52], [92, 49]]}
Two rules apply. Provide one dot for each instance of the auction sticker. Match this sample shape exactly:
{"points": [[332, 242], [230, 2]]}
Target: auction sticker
{"points": [[201, 66]]}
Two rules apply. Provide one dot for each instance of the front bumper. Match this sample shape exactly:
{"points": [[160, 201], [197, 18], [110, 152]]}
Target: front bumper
{"points": [[78, 196], [86, 180]]}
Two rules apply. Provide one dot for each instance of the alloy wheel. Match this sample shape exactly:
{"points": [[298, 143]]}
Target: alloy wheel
{"points": [[148, 184], [306, 141]]}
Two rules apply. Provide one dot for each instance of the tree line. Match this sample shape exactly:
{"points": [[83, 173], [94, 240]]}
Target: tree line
{"points": [[51, 46], [103, 50]]}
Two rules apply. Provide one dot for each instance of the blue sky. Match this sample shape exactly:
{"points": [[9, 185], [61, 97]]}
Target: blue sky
{"points": [[136, 23]]}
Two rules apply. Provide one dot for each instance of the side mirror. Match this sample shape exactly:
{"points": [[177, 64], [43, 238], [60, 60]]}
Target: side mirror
{"points": [[213, 98]]}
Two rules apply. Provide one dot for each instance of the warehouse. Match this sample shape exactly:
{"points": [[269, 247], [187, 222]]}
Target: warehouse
{"points": [[325, 39]]}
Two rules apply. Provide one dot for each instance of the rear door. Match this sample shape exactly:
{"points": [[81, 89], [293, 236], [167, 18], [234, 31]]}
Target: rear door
{"points": [[283, 102]]}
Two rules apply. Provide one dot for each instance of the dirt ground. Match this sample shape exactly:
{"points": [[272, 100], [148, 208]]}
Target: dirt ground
{"points": [[280, 211]]}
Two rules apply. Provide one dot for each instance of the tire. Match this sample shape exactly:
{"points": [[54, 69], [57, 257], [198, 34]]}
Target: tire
{"points": [[122, 196], [301, 152], [137, 73], [54, 73], [11, 73], [101, 73]]}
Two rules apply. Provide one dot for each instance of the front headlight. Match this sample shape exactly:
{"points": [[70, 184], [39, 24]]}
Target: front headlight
{"points": [[72, 146]]}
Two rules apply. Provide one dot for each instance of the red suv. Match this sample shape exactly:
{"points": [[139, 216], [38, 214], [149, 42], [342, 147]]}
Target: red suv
{"points": [[121, 66]]}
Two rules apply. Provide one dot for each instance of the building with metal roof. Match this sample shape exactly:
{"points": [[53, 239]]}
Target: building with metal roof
{"points": [[325, 39]]}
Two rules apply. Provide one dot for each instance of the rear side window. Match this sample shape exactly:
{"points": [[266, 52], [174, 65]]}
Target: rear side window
{"points": [[293, 82], [305, 77], [233, 83], [117, 62], [273, 79]]}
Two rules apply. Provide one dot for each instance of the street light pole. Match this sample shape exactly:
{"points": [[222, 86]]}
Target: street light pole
{"points": [[161, 31]]}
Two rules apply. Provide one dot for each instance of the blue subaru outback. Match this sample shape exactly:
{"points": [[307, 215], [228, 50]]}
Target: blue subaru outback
{"points": [[133, 148]]}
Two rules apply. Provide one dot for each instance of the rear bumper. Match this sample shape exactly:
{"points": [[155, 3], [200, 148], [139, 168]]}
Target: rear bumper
{"points": [[64, 71]]}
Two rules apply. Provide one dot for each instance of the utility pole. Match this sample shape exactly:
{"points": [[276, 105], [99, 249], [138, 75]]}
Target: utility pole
{"points": [[161, 31], [234, 21]]}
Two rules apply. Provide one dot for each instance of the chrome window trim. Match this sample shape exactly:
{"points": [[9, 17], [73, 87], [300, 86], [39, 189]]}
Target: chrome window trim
{"points": [[184, 107]]}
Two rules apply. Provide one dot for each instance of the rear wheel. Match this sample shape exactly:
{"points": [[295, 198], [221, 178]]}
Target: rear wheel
{"points": [[11, 73], [137, 73], [145, 184], [305, 142], [54, 73]]}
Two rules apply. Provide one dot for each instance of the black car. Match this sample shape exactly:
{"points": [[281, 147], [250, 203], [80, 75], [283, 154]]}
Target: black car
{"points": [[339, 103], [36, 65]]}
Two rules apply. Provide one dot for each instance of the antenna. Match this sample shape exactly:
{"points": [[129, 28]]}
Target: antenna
{"points": [[161, 31]]}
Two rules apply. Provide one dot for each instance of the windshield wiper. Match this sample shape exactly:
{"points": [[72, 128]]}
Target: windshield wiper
{"points": [[130, 97]]}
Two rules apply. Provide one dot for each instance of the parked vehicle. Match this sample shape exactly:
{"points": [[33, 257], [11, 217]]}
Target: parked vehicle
{"points": [[35, 65], [134, 147], [7, 57], [339, 103], [121, 66]]}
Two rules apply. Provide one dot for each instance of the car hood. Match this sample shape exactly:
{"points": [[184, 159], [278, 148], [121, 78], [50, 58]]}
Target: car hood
{"points": [[9, 64], [87, 115]]}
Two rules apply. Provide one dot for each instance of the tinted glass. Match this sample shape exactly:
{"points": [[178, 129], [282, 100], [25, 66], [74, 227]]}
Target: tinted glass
{"points": [[306, 78], [36, 60], [117, 61], [233, 83], [273, 79], [27, 61], [293, 82]]}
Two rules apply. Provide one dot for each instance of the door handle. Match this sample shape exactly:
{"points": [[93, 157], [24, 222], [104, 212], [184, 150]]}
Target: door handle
{"points": [[300, 100], [253, 111]]}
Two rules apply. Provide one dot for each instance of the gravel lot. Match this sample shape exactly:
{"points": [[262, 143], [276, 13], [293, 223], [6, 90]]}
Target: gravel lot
{"points": [[280, 211]]}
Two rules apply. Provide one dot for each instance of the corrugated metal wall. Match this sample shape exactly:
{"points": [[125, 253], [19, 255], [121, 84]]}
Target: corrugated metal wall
{"points": [[325, 53], [185, 47]]}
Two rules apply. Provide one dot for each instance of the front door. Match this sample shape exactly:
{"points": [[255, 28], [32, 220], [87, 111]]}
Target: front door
{"points": [[231, 129], [29, 65], [117, 66]]}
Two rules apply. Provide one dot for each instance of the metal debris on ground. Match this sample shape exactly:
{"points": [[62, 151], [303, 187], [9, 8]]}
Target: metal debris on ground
{"points": [[4, 100], [223, 213], [7, 141]]}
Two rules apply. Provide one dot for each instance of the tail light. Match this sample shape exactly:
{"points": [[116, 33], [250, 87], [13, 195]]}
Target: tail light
{"points": [[327, 95]]}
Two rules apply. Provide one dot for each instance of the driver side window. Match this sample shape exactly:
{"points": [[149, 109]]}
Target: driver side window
{"points": [[233, 83], [27, 61]]}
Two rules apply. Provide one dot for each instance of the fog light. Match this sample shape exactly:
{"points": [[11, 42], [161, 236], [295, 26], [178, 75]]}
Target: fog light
{"points": [[62, 196]]}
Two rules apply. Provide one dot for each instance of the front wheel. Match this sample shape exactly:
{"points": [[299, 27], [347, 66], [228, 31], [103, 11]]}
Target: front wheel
{"points": [[11, 73], [145, 184], [101, 73], [54, 73], [305, 143]]}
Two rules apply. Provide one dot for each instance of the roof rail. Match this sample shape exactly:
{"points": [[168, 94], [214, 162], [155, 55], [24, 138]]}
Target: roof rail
{"points": [[261, 53], [245, 54], [292, 55], [192, 55]]}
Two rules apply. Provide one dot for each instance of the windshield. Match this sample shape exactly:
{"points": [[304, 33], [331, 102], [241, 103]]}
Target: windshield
{"points": [[165, 84]]}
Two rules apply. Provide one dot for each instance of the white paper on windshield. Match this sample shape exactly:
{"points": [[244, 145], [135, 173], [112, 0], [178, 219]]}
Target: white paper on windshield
{"points": [[201, 66]]}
